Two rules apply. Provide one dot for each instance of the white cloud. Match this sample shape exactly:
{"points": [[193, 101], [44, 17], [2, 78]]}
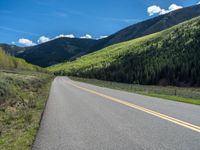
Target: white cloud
{"points": [[65, 35], [153, 10], [87, 36], [13, 42], [26, 42], [173, 7], [102, 37], [157, 10], [163, 11], [43, 39], [198, 3]]}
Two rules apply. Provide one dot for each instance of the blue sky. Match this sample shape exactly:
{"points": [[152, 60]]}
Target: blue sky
{"points": [[25, 21]]}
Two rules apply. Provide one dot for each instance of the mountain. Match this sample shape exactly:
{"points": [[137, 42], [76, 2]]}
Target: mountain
{"points": [[171, 57], [150, 26], [66, 49], [56, 51], [11, 49]]}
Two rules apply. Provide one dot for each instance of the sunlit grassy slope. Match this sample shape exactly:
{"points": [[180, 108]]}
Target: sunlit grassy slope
{"points": [[102, 58], [171, 56], [10, 62]]}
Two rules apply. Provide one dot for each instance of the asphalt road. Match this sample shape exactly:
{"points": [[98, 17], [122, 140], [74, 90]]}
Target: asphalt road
{"points": [[81, 116]]}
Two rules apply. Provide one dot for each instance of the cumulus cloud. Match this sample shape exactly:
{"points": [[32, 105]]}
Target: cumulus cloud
{"points": [[43, 39], [87, 36], [65, 35], [26, 42], [198, 3], [158, 10], [153, 10], [173, 7]]}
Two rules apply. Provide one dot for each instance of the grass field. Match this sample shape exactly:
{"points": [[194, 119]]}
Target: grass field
{"points": [[22, 98], [180, 94]]}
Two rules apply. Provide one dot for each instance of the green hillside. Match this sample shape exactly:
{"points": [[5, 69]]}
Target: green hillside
{"points": [[167, 57], [10, 62]]}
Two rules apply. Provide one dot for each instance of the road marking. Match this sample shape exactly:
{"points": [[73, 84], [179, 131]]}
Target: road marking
{"points": [[154, 113]]}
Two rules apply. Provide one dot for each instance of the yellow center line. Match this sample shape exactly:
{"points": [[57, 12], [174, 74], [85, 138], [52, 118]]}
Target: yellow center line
{"points": [[154, 113]]}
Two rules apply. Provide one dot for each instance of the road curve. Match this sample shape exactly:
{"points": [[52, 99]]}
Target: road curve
{"points": [[81, 116]]}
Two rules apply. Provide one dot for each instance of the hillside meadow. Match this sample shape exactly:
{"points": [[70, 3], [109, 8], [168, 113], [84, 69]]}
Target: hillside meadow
{"points": [[24, 89]]}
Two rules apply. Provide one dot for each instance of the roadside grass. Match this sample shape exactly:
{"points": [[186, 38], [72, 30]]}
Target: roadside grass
{"points": [[22, 99], [179, 94]]}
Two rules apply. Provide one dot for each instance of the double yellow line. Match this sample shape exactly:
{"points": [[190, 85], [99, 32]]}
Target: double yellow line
{"points": [[154, 113]]}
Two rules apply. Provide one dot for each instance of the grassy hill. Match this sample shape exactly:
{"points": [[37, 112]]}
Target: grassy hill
{"points": [[167, 57], [10, 62]]}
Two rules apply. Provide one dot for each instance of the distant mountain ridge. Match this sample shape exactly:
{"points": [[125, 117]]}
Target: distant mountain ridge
{"points": [[65, 49], [11, 49], [56, 51]]}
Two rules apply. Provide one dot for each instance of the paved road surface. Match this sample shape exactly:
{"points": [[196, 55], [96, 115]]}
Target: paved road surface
{"points": [[81, 116]]}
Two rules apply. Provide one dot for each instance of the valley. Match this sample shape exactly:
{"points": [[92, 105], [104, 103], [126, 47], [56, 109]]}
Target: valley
{"points": [[138, 88]]}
